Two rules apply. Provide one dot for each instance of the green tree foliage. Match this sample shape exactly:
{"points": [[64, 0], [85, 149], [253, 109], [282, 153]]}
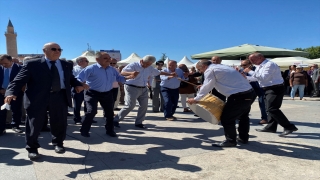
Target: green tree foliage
{"points": [[314, 51], [163, 57]]}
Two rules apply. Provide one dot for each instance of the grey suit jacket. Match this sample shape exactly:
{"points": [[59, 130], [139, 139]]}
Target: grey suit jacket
{"points": [[315, 74]]}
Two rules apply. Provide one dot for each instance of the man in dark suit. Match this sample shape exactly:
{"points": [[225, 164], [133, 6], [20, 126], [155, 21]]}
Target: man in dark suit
{"points": [[8, 71], [48, 81]]}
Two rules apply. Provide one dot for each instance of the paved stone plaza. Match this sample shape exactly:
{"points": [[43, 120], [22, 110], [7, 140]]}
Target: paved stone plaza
{"points": [[178, 149]]}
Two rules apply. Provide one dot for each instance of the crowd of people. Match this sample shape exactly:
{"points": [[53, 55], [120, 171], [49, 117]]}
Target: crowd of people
{"points": [[299, 82], [47, 86]]}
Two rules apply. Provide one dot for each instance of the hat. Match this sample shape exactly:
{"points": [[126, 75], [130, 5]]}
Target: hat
{"points": [[299, 67]]}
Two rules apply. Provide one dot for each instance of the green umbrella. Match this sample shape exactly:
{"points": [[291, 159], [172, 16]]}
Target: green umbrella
{"points": [[244, 50]]}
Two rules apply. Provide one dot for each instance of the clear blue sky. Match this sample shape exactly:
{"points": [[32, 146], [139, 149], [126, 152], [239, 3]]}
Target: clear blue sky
{"points": [[174, 27]]}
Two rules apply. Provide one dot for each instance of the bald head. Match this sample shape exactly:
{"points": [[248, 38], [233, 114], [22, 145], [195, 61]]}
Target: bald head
{"points": [[52, 51], [202, 65], [49, 44], [172, 65], [216, 60], [256, 58]]}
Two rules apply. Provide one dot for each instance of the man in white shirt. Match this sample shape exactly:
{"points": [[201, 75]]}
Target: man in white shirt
{"points": [[78, 98], [136, 89], [269, 77], [240, 96]]}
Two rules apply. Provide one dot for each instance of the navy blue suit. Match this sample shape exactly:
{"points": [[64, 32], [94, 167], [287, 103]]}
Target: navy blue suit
{"points": [[260, 93], [15, 105], [39, 98]]}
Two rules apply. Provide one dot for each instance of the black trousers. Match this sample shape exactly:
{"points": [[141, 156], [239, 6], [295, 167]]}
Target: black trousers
{"points": [[238, 106], [58, 108], [170, 98], [114, 92], [78, 98], [106, 101], [219, 95], [273, 99], [16, 107]]}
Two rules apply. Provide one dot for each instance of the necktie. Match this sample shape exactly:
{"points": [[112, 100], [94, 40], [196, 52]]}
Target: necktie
{"points": [[55, 77], [6, 79]]}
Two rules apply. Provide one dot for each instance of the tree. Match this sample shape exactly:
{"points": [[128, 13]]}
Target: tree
{"points": [[163, 57], [314, 51]]}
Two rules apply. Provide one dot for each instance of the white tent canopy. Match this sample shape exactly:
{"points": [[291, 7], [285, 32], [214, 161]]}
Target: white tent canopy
{"points": [[313, 61], [288, 61], [89, 55], [224, 62], [185, 61], [132, 58], [192, 65], [167, 60]]}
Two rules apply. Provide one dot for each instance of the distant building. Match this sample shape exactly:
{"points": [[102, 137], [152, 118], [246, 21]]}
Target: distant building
{"points": [[113, 53], [12, 47], [11, 39], [21, 56]]}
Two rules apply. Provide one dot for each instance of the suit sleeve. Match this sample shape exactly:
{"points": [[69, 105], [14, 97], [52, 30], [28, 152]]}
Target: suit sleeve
{"points": [[73, 81], [19, 81]]}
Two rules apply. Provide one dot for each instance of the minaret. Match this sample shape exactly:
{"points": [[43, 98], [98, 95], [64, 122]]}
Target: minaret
{"points": [[11, 38]]}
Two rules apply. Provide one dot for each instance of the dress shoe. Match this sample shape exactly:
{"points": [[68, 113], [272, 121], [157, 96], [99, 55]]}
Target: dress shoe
{"points": [[141, 126], [117, 109], [187, 110], [111, 133], [69, 114], [45, 129], [195, 115], [116, 124], [78, 122], [85, 134], [17, 130], [225, 144], [33, 155], [94, 121], [263, 121], [170, 119], [242, 141], [2, 132], [265, 130], [59, 149], [287, 131]]}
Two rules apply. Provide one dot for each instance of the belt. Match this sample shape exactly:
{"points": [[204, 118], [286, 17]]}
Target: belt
{"points": [[270, 87], [135, 86], [244, 92], [98, 91], [57, 91]]}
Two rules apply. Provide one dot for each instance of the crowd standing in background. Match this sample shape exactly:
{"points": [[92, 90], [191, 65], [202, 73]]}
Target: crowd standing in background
{"points": [[50, 84]]}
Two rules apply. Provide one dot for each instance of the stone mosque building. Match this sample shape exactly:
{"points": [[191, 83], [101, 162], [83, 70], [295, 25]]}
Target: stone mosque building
{"points": [[11, 42]]}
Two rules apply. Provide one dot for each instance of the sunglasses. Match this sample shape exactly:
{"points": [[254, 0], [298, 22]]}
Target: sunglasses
{"points": [[113, 63], [55, 49], [160, 64]]}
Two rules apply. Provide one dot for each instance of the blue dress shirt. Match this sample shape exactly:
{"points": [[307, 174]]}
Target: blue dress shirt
{"points": [[60, 70], [172, 83], [76, 70], [144, 73], [98, 78]]}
